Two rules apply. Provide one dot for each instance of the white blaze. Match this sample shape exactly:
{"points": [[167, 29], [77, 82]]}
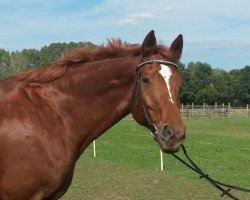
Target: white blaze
{"points": [[166, 74]]}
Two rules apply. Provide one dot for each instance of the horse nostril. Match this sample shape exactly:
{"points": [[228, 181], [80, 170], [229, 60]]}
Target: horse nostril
{"points": [[167, 132]]}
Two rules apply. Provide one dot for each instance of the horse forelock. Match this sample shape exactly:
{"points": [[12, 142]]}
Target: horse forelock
{"points": [[114, 48]]}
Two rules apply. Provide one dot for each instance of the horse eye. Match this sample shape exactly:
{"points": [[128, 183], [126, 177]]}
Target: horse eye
{"points": [[145, 80]]}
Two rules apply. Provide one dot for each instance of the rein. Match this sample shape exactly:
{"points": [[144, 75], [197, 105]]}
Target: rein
{"points": [[215, 183]]}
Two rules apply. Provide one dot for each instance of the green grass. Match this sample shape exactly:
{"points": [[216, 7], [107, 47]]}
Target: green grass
{"points": [[127, 165]]}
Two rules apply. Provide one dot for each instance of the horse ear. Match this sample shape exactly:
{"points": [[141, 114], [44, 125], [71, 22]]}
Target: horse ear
{"points": [[149, 44], [176, 47]]}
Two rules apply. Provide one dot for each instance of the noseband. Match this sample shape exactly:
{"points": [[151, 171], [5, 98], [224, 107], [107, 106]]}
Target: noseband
{"points": [[137, 95]]}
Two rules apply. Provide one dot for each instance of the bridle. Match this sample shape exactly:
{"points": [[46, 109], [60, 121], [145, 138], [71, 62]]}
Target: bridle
{"points": [[137, 96]]}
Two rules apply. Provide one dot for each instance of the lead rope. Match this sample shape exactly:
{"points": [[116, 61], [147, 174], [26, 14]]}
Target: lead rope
{"points": [[215, 183]]}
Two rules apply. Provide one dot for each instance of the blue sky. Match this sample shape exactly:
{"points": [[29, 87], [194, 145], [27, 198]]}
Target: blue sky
{"points": [[215, 31]]}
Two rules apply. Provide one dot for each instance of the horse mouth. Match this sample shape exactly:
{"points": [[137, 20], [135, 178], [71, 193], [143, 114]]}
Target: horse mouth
{"points": [[165, 148], [170, 150]]}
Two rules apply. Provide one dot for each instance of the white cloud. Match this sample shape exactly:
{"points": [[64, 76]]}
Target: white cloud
{"points": [[143, 15], [127, 21], [136, 18]]}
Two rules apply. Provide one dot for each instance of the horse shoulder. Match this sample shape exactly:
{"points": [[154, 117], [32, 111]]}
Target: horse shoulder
{"points": [[32, 146]]}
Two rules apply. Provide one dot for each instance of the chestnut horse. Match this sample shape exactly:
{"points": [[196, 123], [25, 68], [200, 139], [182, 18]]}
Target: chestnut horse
{"points": [[49, 116]]}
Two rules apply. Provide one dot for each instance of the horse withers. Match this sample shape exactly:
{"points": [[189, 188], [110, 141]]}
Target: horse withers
{"points": [[48, 117]]}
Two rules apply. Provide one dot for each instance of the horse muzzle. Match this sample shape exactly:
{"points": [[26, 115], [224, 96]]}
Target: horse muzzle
{"points": [[170, 138]]}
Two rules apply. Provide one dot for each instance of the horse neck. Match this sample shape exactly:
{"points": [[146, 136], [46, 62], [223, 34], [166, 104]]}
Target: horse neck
{"points": [[97, 96]]}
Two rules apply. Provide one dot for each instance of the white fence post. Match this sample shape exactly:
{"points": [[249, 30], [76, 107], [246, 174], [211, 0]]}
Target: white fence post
{"points": [[247, 111], [229, 110], [161, 160], [215, 109], [192, 110], [94, 148], [223, 111], [204, 109]]}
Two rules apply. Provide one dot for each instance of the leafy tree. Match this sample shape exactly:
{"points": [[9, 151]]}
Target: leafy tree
{"points": [[51, 52], [181, 68], [4, 63], [55, 51], [18, 63], [32, 57], [241, 86], [223, 84], [197, 79], [188, 89]]}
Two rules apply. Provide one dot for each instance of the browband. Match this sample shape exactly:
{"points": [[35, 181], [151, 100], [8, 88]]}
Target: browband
{"points": [[156, 62]]}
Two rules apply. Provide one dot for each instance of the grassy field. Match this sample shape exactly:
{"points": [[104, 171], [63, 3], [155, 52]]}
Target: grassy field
{"points": [[127, 165]]}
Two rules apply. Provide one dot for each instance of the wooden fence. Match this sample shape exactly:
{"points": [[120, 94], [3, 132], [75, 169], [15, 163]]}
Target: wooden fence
{"points": [[213, 111]]}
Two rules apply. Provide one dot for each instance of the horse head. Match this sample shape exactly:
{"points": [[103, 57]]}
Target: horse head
{"points": [[156, 103]]}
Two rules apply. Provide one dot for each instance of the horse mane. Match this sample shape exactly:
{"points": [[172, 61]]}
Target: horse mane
{"points": [[114, 48]]}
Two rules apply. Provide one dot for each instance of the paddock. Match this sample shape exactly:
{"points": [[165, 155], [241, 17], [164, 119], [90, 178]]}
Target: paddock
{"points": [[127, 163]]}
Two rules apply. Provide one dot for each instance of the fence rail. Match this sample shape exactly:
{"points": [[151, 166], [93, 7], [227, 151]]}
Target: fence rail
{"points": [[213, 111]]}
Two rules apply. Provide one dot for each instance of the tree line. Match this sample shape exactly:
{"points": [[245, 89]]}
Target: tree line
{"points": [[202, 82]]}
